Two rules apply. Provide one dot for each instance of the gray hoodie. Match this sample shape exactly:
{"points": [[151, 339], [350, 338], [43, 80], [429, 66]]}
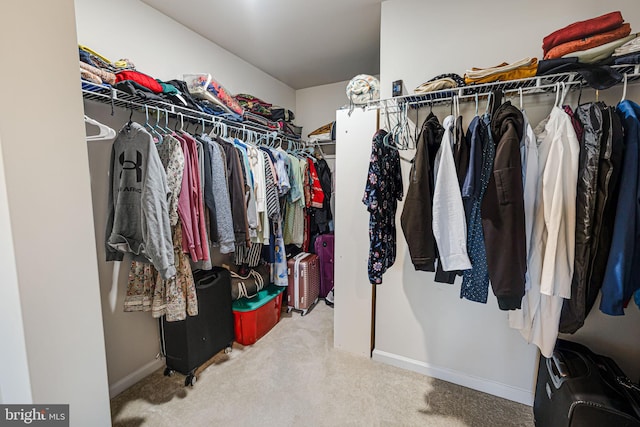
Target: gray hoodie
{"points": [[138, 220]]}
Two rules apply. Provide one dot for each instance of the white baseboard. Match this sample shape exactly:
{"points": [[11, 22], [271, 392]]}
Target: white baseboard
{"points": [[126, 382], [476, 383]]}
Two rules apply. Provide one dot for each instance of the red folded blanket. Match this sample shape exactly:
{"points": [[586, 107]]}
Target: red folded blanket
{"points": [[581, 29], [589, 42], [142, 79]]}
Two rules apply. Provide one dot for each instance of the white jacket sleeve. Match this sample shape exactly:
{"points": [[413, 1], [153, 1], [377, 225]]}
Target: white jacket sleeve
{"points": [[559, 193], [449, 222]]}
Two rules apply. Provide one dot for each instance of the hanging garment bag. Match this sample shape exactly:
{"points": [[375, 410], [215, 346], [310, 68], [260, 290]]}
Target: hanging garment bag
{"points": [[304, 282], [189, 343], [578, 388]]}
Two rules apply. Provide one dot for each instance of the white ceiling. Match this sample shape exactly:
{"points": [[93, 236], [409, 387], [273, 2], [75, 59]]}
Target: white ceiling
{"points": [[302, 43]]}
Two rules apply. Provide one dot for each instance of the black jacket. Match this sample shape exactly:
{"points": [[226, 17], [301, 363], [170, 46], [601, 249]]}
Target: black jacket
{"points": [[416, 217], [601, 149], [503, 210]]}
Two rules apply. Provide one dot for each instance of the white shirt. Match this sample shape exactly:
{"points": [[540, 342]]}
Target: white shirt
{"points": [[553, 235], [529, 161], [449, 222]]}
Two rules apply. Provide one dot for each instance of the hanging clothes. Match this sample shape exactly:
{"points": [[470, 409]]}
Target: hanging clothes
{"points": [[449, 223], [622, 276], [146, 289], [236, 191], [383, 191], [138, 215], [475, 281], [609, 172], [205, 262], [593, 120], [190, 204], [553, 234], [322, 216], [530, 169], [503, 210], [216, 196], [416, 217]]}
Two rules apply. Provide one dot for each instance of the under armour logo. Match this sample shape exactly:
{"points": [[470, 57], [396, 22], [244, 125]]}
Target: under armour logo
{"points": [[130, 165]]}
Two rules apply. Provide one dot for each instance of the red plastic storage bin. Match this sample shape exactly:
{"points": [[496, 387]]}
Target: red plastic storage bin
{"points": [[254, 317]]}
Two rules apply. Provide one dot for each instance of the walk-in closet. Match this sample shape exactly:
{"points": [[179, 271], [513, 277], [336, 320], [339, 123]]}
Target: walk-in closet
{"points": [[456, 190]]}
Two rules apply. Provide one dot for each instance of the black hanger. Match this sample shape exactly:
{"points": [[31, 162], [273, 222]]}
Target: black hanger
{"points": [[130, 117]]}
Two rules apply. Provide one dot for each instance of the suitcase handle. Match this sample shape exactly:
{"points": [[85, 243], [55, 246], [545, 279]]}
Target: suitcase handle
{"points": [[557, 368], [560, 365]]}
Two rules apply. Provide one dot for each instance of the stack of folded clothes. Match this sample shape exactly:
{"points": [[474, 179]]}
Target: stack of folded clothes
{"points": [[441, 82], [590, 41], [324, 133], [628, 53], [254, 104], [522, 69]]}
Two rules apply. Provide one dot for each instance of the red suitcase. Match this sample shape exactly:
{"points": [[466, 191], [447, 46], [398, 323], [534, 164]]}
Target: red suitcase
{"points": [[304, 282], [323, 246]]}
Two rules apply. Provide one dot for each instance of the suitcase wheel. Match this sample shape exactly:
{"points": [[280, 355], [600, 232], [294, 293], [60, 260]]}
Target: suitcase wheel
{"points": [[304, 312], [289, 309], [190, 380], [168, 372], [228, 350]]}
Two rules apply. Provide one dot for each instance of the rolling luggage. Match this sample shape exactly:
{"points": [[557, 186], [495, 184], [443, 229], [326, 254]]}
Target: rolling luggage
{"points": [[324, 247], [578, 388], [304, 282], [189, 343]]}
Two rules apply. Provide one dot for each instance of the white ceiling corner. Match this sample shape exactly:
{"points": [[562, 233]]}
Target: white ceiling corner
{"points": [[302, 43]]}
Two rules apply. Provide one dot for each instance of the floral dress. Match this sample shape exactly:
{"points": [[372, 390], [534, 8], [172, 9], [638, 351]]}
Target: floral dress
{"points": [[382, 193]]}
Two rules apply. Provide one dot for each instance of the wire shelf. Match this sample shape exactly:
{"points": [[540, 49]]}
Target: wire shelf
{"points": [[116, 98], [528, 86]]}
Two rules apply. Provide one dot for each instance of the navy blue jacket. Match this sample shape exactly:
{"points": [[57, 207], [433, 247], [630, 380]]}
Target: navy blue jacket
{"points": [[622, 276]]}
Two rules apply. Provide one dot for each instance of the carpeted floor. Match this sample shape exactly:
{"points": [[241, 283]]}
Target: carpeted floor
{"points": [[294, 377]]}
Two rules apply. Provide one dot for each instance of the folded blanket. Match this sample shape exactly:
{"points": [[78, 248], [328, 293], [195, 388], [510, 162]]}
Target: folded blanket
{"points": [[89, 76], [438, 84], [631, 46], [589, 42], [142, 79], [105, 76], [582, 29], [599, 53], [524, 68]]}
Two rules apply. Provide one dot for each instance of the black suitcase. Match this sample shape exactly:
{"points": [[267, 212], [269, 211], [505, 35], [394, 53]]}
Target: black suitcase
{"points": [[578, 388], [189, 343]]}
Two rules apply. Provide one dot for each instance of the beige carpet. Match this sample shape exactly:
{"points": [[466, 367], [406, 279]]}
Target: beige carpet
{"points": [[294, 377]]}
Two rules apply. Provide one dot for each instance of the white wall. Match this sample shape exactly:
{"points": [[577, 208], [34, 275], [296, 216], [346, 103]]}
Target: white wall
{"points": [[49, 202], [423, 325], [165, 49], [316, 106], [420, 40], [15, 385]]}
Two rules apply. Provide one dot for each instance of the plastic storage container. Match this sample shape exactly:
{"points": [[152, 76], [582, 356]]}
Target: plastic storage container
{"points": [[254, 317]]}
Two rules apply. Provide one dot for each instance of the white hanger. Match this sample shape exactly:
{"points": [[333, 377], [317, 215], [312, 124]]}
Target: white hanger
{"points": [[521, 102], [105, 131], [624, 88]]}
